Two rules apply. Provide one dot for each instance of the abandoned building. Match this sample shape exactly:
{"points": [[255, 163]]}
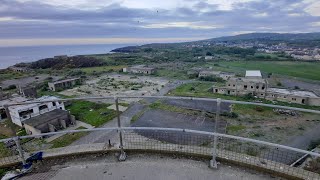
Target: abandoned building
{"points": [[64, 84], [18, 69], [52, 121], [227, 75], [140, 69], [21, 113], [243, 86], [259, 88], [208, 57], [253, 74], [223, 75], [28, 91], [9, 100], [293, 96], [205, 73]]}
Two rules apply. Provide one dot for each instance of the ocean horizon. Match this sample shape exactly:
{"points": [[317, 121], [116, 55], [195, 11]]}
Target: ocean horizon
{"points": [[12, 55]]}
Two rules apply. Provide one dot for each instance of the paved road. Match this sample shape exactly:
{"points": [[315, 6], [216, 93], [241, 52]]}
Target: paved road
{"points": [[160, 118], [143, 167], [97, 137]]}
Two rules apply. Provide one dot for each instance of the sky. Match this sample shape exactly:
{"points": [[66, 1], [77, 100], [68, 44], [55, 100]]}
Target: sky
{"points": [[54, 22]]}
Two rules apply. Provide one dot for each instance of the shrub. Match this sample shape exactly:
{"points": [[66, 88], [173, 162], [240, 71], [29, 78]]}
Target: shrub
{"points": [[259, 108], [12, 86], [248, 96], [211, 78], [279, 84], [230, 114], [313, 166]]}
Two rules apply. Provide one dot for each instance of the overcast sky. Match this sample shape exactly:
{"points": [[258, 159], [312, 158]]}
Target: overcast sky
{"points": [[37, 22]]}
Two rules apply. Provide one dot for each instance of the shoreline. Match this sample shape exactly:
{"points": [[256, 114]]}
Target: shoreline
{"points": [[10, 56]]}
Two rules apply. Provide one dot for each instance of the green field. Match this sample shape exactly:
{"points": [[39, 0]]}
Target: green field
{"points": [[172, 74], [92, 113], [99, 69], [68, 139], [306, 70]]}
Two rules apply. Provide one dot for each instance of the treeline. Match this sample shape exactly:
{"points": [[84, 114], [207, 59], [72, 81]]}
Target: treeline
{"points": [[70, 62]]}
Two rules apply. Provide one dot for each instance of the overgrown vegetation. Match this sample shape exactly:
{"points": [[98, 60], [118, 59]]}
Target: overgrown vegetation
{"points": [[67, 139], [313, 165], [235, 128], [212, 79], [92, 113]]}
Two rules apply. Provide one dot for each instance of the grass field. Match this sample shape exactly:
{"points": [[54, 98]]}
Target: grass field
{"points": [[67, 139], [172, 74], [306, 70], [99, 69], [92, 113]]}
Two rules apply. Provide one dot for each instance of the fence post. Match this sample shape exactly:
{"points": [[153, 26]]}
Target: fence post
{"points": [[19, 149], [122, 156], [213, 162]]}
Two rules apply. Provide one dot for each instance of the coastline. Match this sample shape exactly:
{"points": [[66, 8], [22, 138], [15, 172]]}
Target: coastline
{"points": [[12, 55]]}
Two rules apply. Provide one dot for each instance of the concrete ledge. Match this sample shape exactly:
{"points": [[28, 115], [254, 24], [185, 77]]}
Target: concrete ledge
{"points": [[256, 163]]}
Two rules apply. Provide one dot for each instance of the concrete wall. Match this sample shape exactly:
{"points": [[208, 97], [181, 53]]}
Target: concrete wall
{"points": [[60, 123], [17, 118], [63, 85], [142, 71], [310, 101], [243, 88], [31, 130]]}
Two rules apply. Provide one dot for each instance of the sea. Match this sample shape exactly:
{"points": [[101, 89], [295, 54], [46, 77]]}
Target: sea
{"points": [[12, 55]]}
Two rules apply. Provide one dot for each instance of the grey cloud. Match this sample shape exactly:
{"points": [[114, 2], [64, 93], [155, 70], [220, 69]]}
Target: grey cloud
{"points": [[117, 21]]}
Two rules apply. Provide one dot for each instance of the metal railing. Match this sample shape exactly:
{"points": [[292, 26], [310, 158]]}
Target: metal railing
{"points": [[219, 147], [250, 152]]}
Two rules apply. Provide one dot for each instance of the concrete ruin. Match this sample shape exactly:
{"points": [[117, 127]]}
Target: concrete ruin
{"points": [[52, 121], [20, 113], [258, 87], [64, 84], [18, 69], [140, 69]]}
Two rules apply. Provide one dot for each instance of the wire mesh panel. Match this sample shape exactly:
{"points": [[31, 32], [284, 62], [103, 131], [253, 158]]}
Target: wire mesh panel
{"points": [[8, 153], [168, 141], [267, 157]]}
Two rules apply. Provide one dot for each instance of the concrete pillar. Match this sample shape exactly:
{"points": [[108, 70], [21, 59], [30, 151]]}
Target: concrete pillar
{"points": [[73, 119], [51, 128], [63, 123]]}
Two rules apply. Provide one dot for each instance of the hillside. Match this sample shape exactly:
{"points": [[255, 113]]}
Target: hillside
{"points": [[299, 39], [270, 36]]}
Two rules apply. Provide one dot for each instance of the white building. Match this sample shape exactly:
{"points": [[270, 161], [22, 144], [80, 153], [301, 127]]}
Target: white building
{"points": [[208, 57], [21, 113], [12, 100], [254, 74]]}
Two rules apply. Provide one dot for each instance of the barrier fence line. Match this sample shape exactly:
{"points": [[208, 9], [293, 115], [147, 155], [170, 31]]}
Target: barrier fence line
{"points": [[188, 141], [173, 98], [166, 129], [187, 136]]}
